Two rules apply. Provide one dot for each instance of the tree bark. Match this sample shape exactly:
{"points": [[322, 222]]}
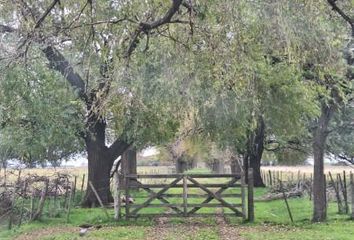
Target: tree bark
{"points": [[100, 161], [255, 151], [235, 165], [319, 147], [181, 165], [217, 166], [129, 166]]}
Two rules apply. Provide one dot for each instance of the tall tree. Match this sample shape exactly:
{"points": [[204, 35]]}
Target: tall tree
{"points": [[322, 126], [90, 44]]}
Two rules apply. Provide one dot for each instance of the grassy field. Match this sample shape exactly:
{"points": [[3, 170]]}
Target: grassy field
{"points": [[271, 222]]}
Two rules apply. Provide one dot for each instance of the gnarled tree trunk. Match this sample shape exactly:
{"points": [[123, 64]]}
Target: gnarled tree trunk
{"points": [[235, 165], [255, 151], [129, 166], [319, 147], [100, 162], [181, 165]]}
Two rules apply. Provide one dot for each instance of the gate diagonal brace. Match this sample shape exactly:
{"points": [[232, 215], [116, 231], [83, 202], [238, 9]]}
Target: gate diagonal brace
{"points": [[215, 196], [210, 198], [156, 195], [161, 198]]}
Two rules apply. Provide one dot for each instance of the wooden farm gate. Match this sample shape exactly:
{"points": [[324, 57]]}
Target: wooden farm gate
{"points": [[214, 196]]}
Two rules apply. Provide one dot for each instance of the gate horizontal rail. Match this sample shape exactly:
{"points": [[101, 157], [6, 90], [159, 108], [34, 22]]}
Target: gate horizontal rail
{"points": [[213, 194]]}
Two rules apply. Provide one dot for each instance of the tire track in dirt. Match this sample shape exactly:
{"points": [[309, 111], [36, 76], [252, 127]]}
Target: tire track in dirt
{"points": [[226, 231], [166, 230]]}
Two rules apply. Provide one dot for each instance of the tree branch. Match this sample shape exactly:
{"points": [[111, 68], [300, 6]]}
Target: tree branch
{"points": [[8, 29], [41, 19], [58, 62], [147, 26], [346, 17], [117, 148]]}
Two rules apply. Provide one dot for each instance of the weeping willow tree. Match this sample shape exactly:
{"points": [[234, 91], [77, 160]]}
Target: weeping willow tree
{"points": [[91, 45], [252, 71]]}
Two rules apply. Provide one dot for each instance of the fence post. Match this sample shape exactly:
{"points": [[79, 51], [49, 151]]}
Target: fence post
{"points": [[73, 189], [23, 203], [99, 199], [185, 195], [82, 187], [71, 197], [345, 192], [339, 202], [41, 203], [286, 201], [243, 195], [250, 196], [126, 185], [117, 202], [352, 193]]}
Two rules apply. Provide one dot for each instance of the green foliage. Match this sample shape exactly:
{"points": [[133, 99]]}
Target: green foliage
{"points": [[227, 63], [40, 115], [290, 157], [341, 137], [272, 222]]}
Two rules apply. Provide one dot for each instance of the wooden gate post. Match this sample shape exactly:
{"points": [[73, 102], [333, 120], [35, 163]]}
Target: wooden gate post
{"points": [[243, 195], [185, 196], [117, 199], [352, 193], [127, 185], [250, 196]]}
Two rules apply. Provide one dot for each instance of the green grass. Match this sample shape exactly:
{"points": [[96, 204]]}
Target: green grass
{"points": [[272, 222]]}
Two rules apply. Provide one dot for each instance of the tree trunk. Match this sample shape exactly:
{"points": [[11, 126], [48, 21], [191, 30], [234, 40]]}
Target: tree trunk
{"points": [[181, 165], [235, 165], [319, 147], [255, 152], [129, 166], [99, 167], [100, 163], [217, 166]]}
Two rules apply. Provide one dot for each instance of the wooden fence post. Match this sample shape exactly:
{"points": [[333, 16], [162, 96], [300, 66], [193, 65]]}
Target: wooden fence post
{"points": [[66, 192], [250, 196], [352, 193], [73, 189], [13, 200], [127, 186], [185, 195], [23, 203], [339, 201], [71, 196], [41, 203], [99, 199], [32, 204], [286, 201], [82, 187], [345, 192], [117, 199], [243, 194]]}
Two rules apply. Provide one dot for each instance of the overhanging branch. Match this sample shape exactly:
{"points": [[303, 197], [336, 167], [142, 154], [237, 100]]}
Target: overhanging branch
{"points": [[58, 62], [8, 29], [117, 148], [41, 19], [345, 16], [147, 26]]}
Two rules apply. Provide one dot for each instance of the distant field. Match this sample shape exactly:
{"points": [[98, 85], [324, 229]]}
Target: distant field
{"points": [[80, 171], [308, 169]]}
